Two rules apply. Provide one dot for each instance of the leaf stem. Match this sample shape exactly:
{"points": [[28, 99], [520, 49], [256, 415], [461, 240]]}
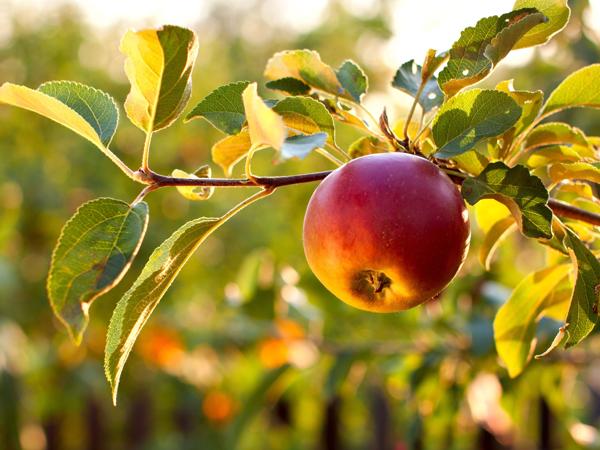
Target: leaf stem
{"points": [[412, 108], [146, 152]]}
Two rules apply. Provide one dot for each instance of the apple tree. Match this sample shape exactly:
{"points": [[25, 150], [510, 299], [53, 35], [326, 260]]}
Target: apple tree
{"points": [[481, 147]]}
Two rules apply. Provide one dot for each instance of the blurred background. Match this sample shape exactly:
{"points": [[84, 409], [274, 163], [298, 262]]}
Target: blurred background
{"points": [[247, 350]]}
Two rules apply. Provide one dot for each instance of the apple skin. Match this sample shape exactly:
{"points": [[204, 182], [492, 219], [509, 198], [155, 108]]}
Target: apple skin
{"points": [[386, 232]]}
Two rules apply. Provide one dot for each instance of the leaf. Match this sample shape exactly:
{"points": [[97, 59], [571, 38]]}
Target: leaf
{"points": [[408, 79], [554, 133], [306, 66], [480, 48], [353, 79], [310, 108], [338, 373], [470, 117], [580, 89], [264, 126], [432, 63], [367, 145], [522, 193], [583, 312], [159, 68], [301, 145], [83, 109], [543, 157], [529, 101], [494, 237], [252, 405], [557, 12], [289, 85], [94, 251], [515, 322], [230, 150], [134, 309], [575, 171], [223, 108], [195, 193]]}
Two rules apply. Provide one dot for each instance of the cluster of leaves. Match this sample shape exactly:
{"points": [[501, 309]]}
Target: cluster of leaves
{"points": [[494, 139]]}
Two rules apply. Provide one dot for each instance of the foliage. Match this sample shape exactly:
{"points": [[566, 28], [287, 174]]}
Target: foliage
{"points": [[494, 140]]}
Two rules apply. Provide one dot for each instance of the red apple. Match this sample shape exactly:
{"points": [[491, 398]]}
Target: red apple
{"points": [[386, 232]]}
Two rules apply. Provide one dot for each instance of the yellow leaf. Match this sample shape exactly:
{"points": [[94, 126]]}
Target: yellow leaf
{"points": [[574, 171], [230, 150], [297, 123], [159, 65], [264, 126], [488, 212], [195, 193]]}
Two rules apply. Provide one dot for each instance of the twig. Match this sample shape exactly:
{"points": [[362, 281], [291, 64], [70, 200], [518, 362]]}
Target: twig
{"points": [[158, 181]]}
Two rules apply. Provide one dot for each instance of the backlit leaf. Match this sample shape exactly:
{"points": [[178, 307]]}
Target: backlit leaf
{"points": [[367, 145], [223, 108], [408, 79], [554, 133], [543, 157], [494, 237], [94, 251], [515, 322], [230, 150], [306, 66], [311, 108], [353, 79], [557, 12], [159, 67], [480, 48], [583, 312], [575, 171], [137, 304], [264, 126], [580, 89], [195, 193], [522, 193], [83, 109], [529, 101], [470, 117]]}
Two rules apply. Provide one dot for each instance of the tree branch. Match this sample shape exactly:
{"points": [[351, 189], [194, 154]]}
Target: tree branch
{"points": [[154, 179]]}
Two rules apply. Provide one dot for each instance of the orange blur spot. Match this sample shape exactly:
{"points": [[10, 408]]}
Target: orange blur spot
{"points": [[162, 347], [218, 407]]}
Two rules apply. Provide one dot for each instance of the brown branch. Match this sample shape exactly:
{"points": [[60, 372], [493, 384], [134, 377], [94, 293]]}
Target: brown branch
{"points": [[154, 179]]}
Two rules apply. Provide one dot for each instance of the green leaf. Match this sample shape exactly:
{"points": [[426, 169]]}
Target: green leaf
{"points": [[555, 133], [408, 79], [264, 125], [301, 145], [367, 145], [493, 238], [310, 108], [480, 48], [195, 193], [159, 68], [522, 193], [557, 12], [289, 85], [529, 101], [230, 150], [94, 251], [83, 109], [96, 107], [515, 322], [306, 66], [583, 311], [580, 89], [353, 79], [223, 108], [252, 405], [470, 117], [338, 373], [137, 304], [575, 171]]}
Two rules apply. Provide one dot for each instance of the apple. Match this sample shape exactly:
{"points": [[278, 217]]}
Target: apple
{"points": [[386, 232]]}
